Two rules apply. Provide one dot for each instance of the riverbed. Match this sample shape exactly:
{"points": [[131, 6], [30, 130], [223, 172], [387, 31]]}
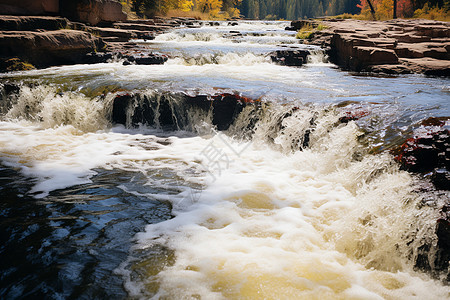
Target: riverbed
{"points": [[291, 204]]}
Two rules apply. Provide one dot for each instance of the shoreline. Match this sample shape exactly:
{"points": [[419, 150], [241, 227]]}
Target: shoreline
{"points": [[380, 47], [390, 47]]}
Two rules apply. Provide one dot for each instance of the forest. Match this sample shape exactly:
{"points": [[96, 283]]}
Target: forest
{"points": [[293, 9]]}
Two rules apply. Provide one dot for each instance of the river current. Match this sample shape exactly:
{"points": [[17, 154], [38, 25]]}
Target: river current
{"points": [[296, 206]]}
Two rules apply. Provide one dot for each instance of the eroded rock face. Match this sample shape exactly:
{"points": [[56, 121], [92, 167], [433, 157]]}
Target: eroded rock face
{"points": [[92, 11]]}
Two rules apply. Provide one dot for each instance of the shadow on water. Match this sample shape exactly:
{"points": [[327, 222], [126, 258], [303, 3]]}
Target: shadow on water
{"points": [[68, 244]]}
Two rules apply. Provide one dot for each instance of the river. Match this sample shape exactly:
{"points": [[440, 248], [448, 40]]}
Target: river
{"points": [[291, 204]]}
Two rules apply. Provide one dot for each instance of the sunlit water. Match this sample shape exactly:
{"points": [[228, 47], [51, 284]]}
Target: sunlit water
{"points": [[96, 210]]}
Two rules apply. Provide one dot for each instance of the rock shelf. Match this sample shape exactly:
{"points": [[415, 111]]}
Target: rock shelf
{"points": [[392, 47]]}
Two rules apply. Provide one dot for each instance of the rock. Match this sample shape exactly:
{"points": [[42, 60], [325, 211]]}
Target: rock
{"points": [[49, 48], [143, 27], [390, 69], [427, 66], [29, 7], [150, 59], [98, 57], [393, 47], [289, 57], [367, 56], [353, 116], [443, 245], [226, 108], [441, 178], [92, 11], [168, 110], [428, 151], [18, 23], [120, 34], [297, 25], [14, 64]]}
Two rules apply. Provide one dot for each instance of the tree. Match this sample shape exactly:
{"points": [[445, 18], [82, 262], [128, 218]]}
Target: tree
{"points": [[209, 6]]}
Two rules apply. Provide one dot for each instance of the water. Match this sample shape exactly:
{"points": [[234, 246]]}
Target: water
{"points": [[288, 203]]}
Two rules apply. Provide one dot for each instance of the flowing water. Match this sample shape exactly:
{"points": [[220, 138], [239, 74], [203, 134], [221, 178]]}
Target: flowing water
{"points": [[287, 203]]}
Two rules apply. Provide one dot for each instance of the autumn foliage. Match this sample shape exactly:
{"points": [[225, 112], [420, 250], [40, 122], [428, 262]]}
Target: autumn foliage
{"points": [[384, 8], [211, 8]]}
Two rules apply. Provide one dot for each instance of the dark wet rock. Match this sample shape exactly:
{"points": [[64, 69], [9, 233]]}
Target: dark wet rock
{"points": [[145, 59], [441, 178], [428, 151], [98, 57], [443, 245], [168, 110], [226, 108], [9, 88], [353, 116], [151, 59], [289, 57], [233, 23]]}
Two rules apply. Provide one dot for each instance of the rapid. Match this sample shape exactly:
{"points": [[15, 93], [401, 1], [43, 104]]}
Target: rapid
{"points": [[288, 202]]}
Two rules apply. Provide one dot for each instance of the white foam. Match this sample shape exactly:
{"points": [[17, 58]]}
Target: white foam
{"points": [[289, 226]]}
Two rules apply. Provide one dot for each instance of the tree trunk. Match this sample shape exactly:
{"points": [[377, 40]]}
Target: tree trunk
{"points": [[395, 9], [372, 10]]}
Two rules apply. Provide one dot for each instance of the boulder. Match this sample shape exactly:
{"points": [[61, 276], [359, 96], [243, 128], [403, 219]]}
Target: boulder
{"points": [[145, 59], [289, 57]]}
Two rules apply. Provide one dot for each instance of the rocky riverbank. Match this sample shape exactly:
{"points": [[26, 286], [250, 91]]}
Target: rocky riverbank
{"points": [[27, 41], [392, 47]]}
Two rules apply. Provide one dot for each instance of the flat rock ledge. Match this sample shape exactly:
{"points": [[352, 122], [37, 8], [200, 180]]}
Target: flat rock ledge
{"points": [[42, 41], [392, 47]]}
